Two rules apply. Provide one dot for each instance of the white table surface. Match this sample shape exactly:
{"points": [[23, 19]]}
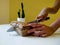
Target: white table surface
{"points": [[12, 38]]}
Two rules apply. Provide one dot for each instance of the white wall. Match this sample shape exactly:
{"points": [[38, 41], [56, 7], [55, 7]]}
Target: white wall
{"points": [[4, 11]]}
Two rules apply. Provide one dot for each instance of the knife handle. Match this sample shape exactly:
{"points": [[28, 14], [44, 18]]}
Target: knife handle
{"points": [[45, 19]]}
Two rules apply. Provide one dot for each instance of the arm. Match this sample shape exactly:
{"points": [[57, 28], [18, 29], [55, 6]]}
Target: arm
{"points": [[55, 25], [44, 30], [55, 7], [44, 13]]}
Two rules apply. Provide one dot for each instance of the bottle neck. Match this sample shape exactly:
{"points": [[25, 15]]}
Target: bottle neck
{"points": [[23, 14]]}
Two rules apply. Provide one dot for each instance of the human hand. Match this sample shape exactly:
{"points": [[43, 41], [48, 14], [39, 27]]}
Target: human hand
{"points": [[43, 14], [40, 30]]}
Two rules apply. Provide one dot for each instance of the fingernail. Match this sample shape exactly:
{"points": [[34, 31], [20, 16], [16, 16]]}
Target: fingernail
{"points": [[44, 35], [29, 24]]}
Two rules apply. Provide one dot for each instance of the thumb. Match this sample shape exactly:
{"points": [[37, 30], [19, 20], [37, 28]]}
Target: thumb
{"points": [[39, 17]]}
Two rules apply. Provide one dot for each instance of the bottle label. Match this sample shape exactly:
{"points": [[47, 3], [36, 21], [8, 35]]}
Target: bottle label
{"points": [[21, 19]]}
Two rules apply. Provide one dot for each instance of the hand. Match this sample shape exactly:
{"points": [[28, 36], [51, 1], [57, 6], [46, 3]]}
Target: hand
{"points": [[43, 14], [40, 30]]}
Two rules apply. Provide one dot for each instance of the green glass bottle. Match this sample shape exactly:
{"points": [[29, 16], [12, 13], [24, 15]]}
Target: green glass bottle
{"points": [[19, 13], [23, 14]]}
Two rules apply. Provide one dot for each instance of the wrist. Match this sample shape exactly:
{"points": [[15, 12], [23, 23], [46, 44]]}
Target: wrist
{"points": [[56, 24], [53, 28]]}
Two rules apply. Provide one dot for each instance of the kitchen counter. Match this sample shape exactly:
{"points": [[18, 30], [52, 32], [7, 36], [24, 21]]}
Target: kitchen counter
{"points": [[12, 38]]}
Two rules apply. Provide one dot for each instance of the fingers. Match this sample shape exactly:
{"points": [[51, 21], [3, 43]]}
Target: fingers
{"points": [[39, 32], [42, 18], [34, 29], [38, 17], [43, 14], [35, 25], [30, 24]]}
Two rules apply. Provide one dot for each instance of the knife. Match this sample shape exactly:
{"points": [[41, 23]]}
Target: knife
{"points": [[38, 20]]}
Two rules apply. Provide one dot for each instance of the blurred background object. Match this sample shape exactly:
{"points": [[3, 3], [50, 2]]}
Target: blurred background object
{"points": [[31, 9]]}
